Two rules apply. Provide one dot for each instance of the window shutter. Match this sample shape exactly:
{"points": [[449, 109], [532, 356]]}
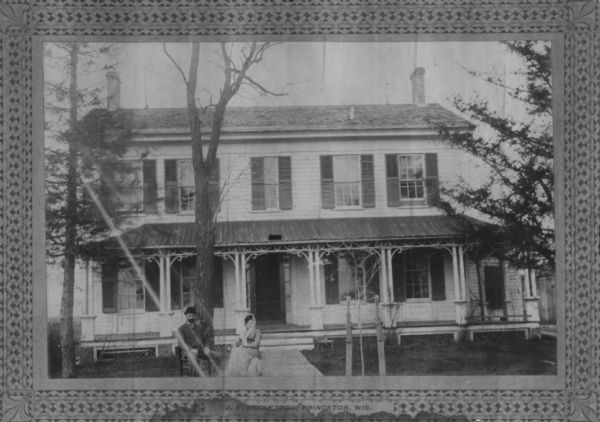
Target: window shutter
{"points": [[398, 278], [285, 183], [327, 191], [432, 184], [332, 290], [218, 286], [149, 177], [494, 287], [214, 187], [109, 286], [438, 282], [391, 176], [367, 180], [171, 187], [176, 285], [152, 273], [257, 181]]}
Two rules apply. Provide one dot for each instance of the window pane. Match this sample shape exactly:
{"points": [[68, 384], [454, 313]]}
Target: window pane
{"points": [[130, 291], [346, 168], [187, 198], [186, 173], [272, 196], [128, 186], [271, 170]]}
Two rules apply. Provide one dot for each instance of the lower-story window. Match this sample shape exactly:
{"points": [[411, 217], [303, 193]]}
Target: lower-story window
{"points": [[182, 275], [416, 280], [130, 291]]}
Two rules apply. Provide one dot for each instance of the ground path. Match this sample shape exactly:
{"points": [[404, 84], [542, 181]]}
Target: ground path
{"points": [[287, 363]]}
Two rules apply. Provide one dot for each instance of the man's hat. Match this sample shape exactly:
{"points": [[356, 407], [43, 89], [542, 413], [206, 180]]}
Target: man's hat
{"points": [[190, 310]]}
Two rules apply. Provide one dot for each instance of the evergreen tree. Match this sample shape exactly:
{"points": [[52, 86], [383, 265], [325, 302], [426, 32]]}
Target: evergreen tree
{"points": [[78, 152], [519, 194]]}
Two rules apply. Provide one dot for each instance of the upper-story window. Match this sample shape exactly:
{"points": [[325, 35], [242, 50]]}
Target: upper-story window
{"points": [[133, 183], [347, 181], [271, 180], [412, 179], [180, 189]]}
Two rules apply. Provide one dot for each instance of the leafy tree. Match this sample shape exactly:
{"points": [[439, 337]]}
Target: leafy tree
{"points": [[78, 151], [237, 61], [518, 195]]}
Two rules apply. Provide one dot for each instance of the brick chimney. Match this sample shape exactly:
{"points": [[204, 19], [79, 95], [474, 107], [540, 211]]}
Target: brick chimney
{"points": [[418, 86], [113, 91]]}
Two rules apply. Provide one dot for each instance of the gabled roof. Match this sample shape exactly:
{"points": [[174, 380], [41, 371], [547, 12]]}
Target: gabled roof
{"points": [[247, 233], [398, 116]]}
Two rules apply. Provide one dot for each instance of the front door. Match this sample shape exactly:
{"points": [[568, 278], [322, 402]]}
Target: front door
{"points": [[267, 289]]}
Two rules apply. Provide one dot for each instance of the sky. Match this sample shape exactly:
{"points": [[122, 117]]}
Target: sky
{"points": [[310, 73], [314, 73]]}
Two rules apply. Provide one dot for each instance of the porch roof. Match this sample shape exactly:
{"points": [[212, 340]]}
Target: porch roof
{"points": [[300, 231]]}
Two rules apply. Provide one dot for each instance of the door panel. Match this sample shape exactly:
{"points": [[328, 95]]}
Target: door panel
{"points": [[267, 285]]}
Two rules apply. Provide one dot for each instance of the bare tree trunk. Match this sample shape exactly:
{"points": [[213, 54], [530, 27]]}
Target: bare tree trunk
{"points": [[66, 306]]}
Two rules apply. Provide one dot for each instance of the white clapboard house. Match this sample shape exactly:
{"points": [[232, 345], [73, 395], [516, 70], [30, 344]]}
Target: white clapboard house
{"points": [[304, 188]]}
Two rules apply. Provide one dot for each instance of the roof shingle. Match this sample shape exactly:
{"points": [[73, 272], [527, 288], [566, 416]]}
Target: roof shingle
{"points": [[399, 116]]}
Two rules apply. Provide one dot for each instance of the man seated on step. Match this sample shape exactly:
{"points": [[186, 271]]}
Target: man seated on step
{"points": [[197, 335]]}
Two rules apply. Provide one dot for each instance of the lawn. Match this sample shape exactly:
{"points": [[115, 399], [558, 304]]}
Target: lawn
{"points": [[534, 357]]}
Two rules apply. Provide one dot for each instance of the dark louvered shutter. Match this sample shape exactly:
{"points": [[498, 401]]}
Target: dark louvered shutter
{"points": [[218, 280], [367, 180], [214, 187], [391, 176], [438, 282], [171, 187], [285, 183], [109, 287], [153, 279], [432, 183], [149, 176], [398, 278], [257, 182], [332, 290], [327, 191]]}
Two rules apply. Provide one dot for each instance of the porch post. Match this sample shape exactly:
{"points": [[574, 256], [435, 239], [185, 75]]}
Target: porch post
{"points": [[390, 275], [460, 302], [241, 295], [164, 316], [316, 310], [88, 319], [318, 283], [384, 289]]}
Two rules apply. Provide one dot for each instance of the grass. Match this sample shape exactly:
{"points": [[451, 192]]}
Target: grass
{"points": [[532, 357], [131, 367]]}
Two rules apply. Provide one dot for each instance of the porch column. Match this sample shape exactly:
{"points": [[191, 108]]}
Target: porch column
{"points": [[241, 295], [88, 319], [531, 298], [384, 289], [164, 316], [460, 302], [316, 310], [390, 274]]}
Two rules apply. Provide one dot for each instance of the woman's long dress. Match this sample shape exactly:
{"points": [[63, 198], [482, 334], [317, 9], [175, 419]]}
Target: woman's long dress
{"points": [[244, 361]]}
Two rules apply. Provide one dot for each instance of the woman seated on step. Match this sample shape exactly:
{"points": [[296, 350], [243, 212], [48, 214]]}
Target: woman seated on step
{"points": [[244, 360]]}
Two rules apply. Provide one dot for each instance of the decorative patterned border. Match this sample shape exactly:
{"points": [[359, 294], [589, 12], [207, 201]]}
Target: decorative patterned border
{"points": [[576, 20]]}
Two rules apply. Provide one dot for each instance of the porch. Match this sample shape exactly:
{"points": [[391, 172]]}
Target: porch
{"points": [[295, 275]]}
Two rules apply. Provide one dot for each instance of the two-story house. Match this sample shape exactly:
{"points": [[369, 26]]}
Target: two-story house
{"points": [[305, 191]]}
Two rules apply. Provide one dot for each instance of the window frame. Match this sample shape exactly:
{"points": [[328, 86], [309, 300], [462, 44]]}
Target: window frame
{"points": [[192, 201], [139, 206], [138, 282], [429, 297], [274, 158], [422, 180], [357, 157]]}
